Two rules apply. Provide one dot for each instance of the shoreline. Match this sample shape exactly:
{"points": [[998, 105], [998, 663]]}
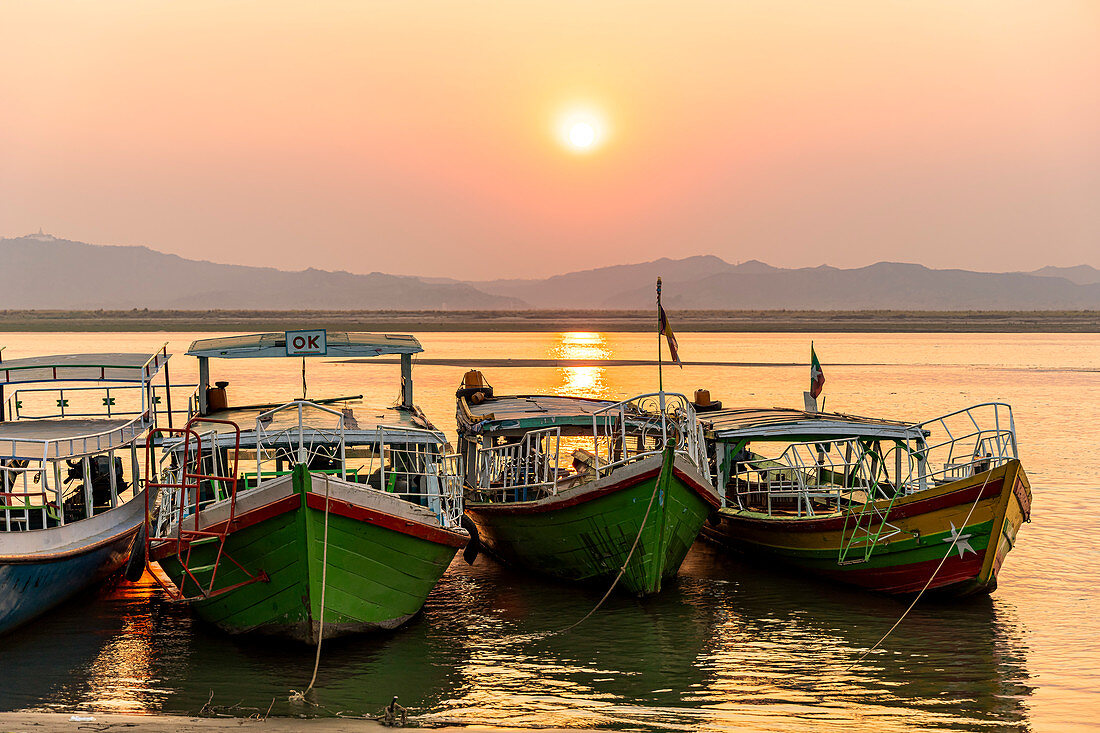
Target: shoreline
{"points": [[741, 321], [167, 723]]}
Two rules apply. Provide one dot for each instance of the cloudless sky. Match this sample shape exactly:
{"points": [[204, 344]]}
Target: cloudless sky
{"points": [[426, 137]]}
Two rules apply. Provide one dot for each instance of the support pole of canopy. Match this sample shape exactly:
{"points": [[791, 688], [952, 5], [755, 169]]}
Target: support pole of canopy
{"points": [[407, 380], [303, 377], [204, 382], [1, 387], [167, 389]]}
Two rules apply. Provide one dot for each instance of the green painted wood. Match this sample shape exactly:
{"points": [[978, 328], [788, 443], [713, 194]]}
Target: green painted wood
{"points": [[377, 578], [589, 542]]}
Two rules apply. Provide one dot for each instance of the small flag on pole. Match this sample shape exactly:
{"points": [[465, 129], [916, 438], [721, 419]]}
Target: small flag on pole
{"points": [[817, 377], [666, 329]]}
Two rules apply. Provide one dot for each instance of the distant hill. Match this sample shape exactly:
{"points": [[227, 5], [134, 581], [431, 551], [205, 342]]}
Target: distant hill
{"points": [[43, 272], [596, 288], [710, 283], [1079, 274], [885, 285]]}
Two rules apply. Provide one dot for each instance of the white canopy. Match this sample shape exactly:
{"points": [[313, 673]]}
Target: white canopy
{"points": [[340, 344], [83, 368]]}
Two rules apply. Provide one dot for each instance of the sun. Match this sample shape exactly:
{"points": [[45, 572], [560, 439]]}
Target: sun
{"points": [[581, 131], [582, 135]]}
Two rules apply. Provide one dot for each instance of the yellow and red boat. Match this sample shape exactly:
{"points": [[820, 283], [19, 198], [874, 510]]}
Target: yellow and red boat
{"points": [[891, 506]]}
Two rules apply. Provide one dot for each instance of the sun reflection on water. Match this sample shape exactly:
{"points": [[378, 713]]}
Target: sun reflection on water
{"points": [[121, 677], [581, 380]]}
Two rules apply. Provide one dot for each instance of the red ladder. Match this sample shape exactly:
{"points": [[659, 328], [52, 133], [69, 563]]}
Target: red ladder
{"points": [[186, 479]]}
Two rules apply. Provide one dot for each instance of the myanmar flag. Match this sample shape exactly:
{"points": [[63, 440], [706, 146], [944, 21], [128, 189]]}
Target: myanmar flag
{"points": [[817, 377], [666, 329]]}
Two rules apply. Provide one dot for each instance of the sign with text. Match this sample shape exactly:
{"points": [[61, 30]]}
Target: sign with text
{"points": [[306, 343]]}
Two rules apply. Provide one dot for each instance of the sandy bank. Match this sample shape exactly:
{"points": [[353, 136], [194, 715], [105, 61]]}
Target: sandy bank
{"points": [[561, 320], [50, 722]]}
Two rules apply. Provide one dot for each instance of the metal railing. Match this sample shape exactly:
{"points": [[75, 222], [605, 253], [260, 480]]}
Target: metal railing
{"points": [[643, 426], [29, 403], [411, 465], [101, 442], [622, 433], [299, 442], [815, 477], [979, 437], [807, 478], [527, 469], [404, 462], [18, 509]]}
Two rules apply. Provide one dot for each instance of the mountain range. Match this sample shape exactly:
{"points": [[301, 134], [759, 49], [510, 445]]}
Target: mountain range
{"points": [[44, 272]]}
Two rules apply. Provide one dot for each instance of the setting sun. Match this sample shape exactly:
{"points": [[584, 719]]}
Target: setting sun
{"points": [[581, 131], [582, 135]]}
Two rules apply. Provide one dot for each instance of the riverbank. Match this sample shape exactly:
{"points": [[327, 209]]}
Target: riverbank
{"points": [[51, 722], [560, 320]]}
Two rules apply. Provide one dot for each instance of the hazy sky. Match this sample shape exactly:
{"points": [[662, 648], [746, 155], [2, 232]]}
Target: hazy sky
{"points": [[426, 137]]}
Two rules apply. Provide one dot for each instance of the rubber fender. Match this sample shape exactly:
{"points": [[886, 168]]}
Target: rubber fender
{"points": [[135, 566], [473, 545]]}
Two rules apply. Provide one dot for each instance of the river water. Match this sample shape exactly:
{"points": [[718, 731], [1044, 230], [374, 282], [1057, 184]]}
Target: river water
{"points": [[732, 644]]}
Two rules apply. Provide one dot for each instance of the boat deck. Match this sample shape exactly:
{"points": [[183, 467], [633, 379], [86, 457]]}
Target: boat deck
{"points": [[778, 422], [65, 437], [361, 422], [530, 412], [57, 428]]}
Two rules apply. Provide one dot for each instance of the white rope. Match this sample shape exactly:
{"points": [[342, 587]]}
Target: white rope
{"points": [[299, 697], [656, 488], [324, 584], [932, 577]]}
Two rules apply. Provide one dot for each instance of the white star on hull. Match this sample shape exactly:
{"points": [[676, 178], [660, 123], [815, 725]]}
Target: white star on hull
{"points": [[962, 541]]}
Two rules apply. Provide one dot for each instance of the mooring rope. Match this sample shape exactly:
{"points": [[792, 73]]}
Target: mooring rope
{"points": [[622, 570], [932, 577], [300, 696]]}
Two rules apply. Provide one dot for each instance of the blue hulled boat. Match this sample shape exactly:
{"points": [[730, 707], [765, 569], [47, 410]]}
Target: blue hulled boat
{"points": [[71, 498]]}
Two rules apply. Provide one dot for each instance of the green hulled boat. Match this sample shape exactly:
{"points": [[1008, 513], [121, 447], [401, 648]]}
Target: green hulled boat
{"points": [[577, 488], [895, 507], [341, 527], [384, 556]]}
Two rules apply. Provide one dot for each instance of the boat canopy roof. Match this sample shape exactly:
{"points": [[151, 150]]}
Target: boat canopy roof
{"points": [[522, 413], [779, 423], [340, 343], [83, 368], [54, 439], [363, 424]]}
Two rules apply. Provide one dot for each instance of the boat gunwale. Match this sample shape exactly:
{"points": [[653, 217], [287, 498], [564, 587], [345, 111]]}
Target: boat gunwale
{"points": [[905, 507], [590, 490], [292, 501]]}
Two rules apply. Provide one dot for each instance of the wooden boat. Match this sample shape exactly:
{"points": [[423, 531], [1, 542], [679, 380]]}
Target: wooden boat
{"points": [[71, 501], [889, 506], [578, 488], [343, 521]]}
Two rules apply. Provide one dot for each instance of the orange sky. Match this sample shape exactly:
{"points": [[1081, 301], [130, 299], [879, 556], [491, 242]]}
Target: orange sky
{"points": [[419, 137]]}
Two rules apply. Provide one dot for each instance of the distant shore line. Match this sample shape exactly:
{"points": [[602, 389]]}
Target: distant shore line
{"points": [[733, 321]]}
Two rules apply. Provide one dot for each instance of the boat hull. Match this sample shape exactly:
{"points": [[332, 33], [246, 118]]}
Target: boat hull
{"points": [[41, 569], [380, 566], [927, 523], [586, 536]]}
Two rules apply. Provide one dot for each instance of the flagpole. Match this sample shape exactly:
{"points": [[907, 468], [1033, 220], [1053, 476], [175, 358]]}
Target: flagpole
{"points": [[660, 366], [660, 371]]}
